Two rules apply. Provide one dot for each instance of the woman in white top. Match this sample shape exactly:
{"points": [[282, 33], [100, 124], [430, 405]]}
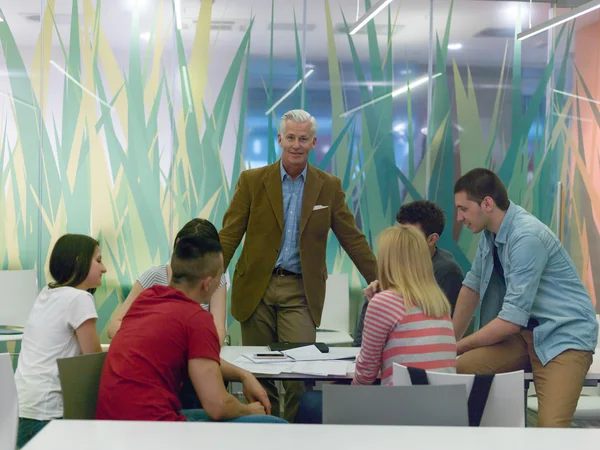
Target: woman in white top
{"points": [[61, 324], [161, 275]]}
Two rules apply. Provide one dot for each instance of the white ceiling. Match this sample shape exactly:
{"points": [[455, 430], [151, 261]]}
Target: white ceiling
{"points": [[410, 43]]}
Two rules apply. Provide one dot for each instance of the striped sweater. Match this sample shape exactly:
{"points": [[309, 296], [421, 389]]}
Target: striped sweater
{"points": [[392, 335]]}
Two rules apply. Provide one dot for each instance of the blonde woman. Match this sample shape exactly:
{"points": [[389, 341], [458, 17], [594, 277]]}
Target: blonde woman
{"points": [[408, 322]]}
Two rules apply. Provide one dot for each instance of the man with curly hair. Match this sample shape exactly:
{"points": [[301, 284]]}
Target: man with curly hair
{"points": [[430, 219]]}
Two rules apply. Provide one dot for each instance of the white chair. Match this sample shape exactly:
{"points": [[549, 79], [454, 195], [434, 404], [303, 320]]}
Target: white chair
{"points": [[18, 291], [9, 404], [386, 405], [504, 407], [335, 320]]}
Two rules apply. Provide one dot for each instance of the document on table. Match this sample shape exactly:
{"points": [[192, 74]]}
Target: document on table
{"points": [[270, 368], [312, 353], [320, 368]]}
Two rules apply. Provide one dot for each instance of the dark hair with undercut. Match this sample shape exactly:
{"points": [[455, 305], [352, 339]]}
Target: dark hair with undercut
{"points": [[194, 259], [482, 183], [71, 259], [428, 215], [198, 227]]}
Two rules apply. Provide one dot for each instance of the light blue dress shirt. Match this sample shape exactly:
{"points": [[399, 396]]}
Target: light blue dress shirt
{"points": [[293, 190], [541, 283]]}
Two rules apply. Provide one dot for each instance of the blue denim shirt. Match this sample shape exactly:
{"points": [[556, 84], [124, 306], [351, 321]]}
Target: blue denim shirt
{"points": [[293, 190], [541, 283]]}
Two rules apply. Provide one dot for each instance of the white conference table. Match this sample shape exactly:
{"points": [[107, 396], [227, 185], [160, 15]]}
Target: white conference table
{"points": [[122, 435], [231, 353], [11, 337]]}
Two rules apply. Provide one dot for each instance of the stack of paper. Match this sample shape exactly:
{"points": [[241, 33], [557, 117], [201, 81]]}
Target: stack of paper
{"points": [[320, 368], [312, 353], [306, 360], [267, 369]]}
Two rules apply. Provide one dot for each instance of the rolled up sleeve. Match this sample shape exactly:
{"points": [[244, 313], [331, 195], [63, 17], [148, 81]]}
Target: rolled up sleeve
{"points": [[527, 259], [473, 278]]}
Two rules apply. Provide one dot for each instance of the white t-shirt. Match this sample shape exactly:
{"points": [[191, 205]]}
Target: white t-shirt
{"points": [[49, 335]]}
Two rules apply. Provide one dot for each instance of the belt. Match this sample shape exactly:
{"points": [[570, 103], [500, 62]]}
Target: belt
{"points": [[281, 272]]}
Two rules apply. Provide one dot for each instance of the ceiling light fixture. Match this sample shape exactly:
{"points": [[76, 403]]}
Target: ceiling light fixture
{"points": [[288, 93], [368, 16], [395, 93], [77, 83], [456, 46], [559, 20], [177, 7]]}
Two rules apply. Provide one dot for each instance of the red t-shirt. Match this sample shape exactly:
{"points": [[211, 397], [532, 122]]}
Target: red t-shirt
{"points": [[148, 359]]}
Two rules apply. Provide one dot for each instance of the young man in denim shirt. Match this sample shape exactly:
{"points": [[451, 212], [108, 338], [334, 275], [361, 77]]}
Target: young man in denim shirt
{"points": [[546, 322]]}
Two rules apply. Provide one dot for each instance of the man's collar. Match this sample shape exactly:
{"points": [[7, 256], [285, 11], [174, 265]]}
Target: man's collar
{"points": [[284, 173], [506, 223]]}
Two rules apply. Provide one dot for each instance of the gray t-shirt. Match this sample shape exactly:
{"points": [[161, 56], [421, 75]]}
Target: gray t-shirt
{"points": [[449, 277], [160, 276]]}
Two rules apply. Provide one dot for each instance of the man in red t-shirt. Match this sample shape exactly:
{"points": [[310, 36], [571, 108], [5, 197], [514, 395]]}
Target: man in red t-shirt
{"points": [[167, 336]]}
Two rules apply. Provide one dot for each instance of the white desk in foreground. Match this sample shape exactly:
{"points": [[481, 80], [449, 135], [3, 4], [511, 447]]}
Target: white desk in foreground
{"points": [[117, 435]]}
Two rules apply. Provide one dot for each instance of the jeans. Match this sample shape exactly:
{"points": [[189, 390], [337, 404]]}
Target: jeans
{"points": [[311, 408], [28, 428], [199, 415]]}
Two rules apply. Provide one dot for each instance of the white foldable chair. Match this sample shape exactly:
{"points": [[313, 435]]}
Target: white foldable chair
{"points": [[9, 404], [504, 407], [18, 291], [335, 320], [387, 405]]}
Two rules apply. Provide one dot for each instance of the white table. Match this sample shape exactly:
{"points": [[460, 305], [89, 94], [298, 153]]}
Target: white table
{"points": [[117, 435], [231, 353], [11, 337]]}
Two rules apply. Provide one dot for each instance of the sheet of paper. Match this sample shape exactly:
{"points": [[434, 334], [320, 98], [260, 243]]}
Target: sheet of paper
{"points": [[267, 369], [320, 368], [312, 353], [344, 352]]}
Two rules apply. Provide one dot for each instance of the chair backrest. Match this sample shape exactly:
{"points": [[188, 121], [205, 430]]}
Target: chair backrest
{"points": [[388, 405], [336, 309], [80, 382], [504, 407], [18, 293], [9, 404]]}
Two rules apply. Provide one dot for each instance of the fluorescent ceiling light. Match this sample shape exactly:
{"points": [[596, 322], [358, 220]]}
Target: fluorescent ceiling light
{"points": [[186, 85], [177, 6], [77, 83], [579, 97], [375, 9], [395, 93], [4, 94], [288, 93], [559, 20], [456, 46]]}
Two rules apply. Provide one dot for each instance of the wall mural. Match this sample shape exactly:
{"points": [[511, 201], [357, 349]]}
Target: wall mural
{"points": [[100, 162]]}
